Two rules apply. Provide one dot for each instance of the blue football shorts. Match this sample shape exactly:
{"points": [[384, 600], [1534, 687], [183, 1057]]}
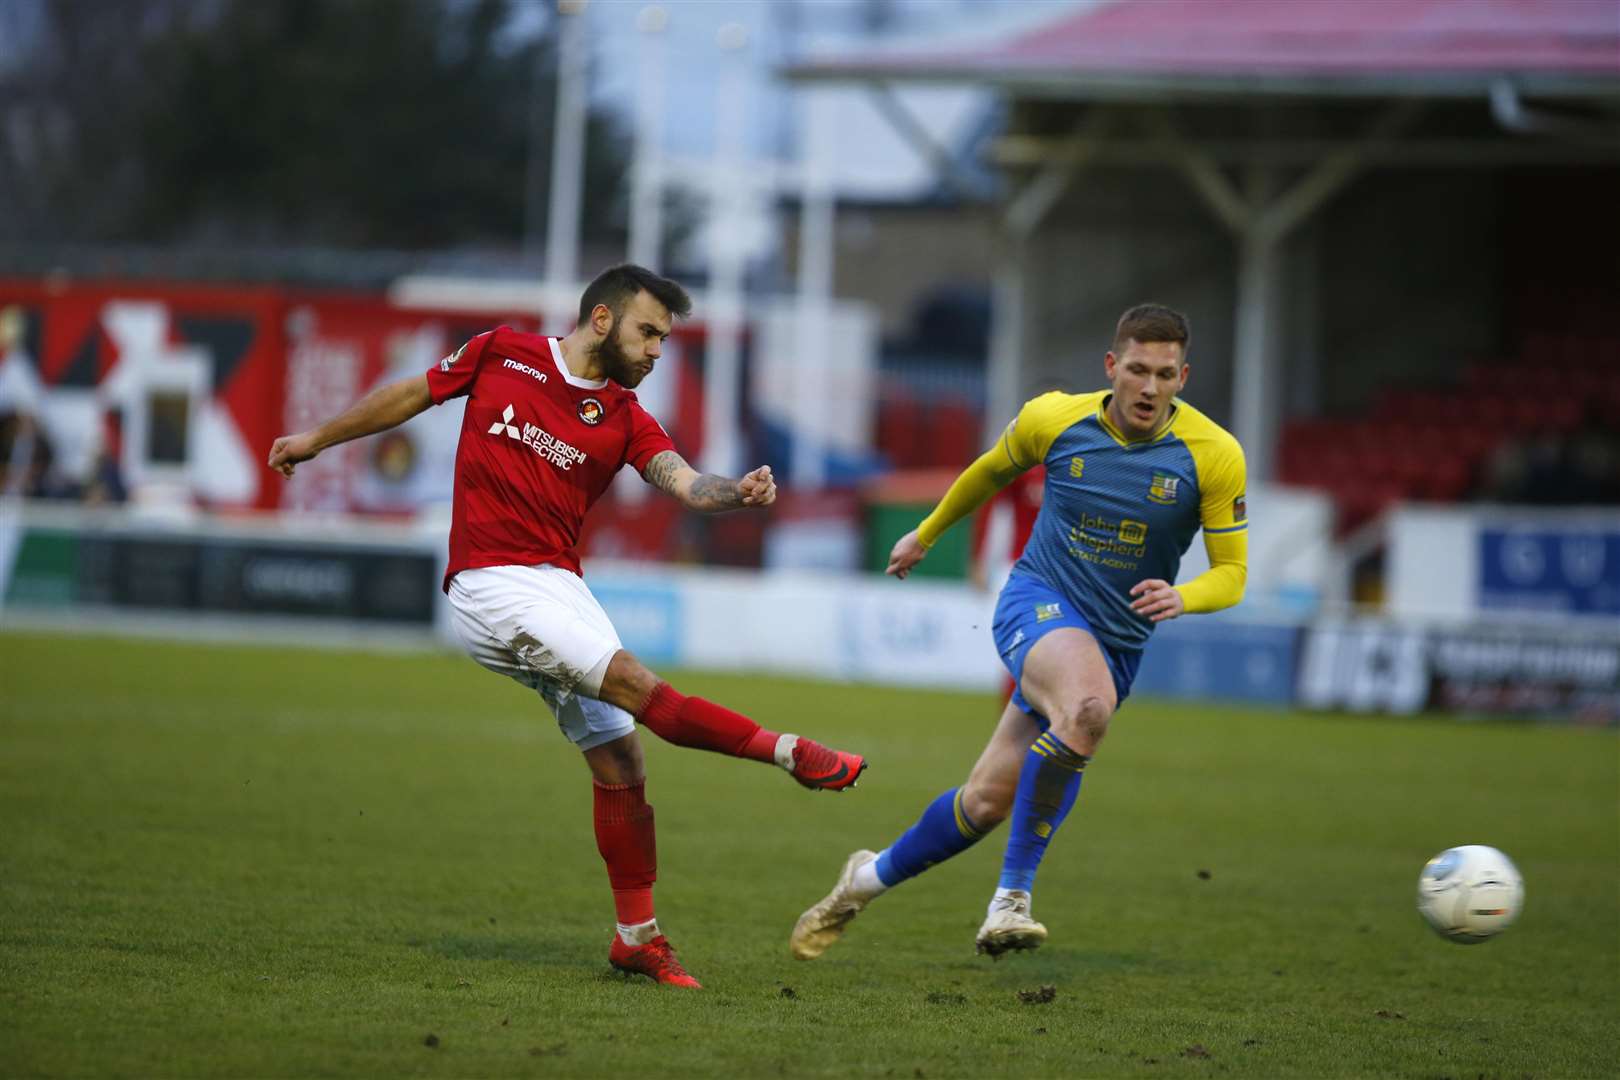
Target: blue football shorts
{"points": [[1027, 611]]}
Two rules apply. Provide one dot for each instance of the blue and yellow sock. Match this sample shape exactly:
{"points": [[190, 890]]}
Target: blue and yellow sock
{"points": [[942, 831], [1047, 787]]}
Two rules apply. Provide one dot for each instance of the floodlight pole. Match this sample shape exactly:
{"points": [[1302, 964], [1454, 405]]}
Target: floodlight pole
{"points": [[815, 292], [1005, 377], [723, 362], [1017, 222], [1255, 398], [646, 176], [567, 168], [1261, 221]]}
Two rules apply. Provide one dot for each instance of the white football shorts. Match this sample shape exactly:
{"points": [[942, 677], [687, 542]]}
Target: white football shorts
{"points": [[541, 626]]}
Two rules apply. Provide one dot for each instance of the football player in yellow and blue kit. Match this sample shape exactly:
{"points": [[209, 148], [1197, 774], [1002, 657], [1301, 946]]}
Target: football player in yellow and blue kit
{"points": [[1132, 474]]}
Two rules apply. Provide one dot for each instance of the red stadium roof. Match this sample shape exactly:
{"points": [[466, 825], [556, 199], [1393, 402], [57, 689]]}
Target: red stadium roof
{"points": [[1291, 46]]}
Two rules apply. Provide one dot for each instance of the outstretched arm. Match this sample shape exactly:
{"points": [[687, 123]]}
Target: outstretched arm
{"points": [[706, 492], [385, 407], [994, 470]]}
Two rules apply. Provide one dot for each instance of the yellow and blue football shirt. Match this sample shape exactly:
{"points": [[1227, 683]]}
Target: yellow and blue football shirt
{"points": [[1118, 511]]}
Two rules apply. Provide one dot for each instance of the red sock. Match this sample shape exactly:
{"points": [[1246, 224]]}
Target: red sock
{"points": [[624, 836], [691, 721]]}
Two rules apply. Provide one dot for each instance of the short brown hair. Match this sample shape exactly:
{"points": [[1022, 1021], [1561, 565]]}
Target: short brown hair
{"points": [[618, 285], [1152, 322]]}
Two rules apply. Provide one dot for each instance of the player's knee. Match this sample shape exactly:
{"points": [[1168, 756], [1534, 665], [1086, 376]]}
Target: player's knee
{"points": [[627, 683], [1094, 716], [1082, 726]]}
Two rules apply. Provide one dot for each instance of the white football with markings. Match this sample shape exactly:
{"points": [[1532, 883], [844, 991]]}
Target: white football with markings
{"points": [[1470, 894]]}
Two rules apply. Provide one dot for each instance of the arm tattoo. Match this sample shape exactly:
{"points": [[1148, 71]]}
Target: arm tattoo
{"points": [[712, 493], [662, 469], [709, 493]]}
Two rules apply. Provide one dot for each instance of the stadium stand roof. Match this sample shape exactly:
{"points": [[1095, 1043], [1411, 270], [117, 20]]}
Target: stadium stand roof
{"points": [[1137, 48], [1443, 83]]}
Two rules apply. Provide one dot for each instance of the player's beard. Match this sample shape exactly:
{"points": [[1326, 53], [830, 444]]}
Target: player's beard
{"points": [[616, 363]]}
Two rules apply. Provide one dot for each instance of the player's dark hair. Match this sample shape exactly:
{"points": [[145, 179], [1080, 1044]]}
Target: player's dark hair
{"points": [[618, 285], [1152, 322]]}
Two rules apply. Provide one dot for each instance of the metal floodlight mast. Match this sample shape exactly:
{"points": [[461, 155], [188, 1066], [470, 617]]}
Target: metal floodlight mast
{"points": [[567, 166], [647, 174], [815, 291], [722, 371]]}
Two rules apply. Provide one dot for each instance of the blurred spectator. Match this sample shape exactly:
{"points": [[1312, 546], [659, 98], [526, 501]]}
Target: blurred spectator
{"points": [[28, 466], [105, 484], [1594, 456], [1582, 469], [25, 456]]}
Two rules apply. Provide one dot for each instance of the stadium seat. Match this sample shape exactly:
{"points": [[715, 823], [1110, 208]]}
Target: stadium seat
{"points": [[954, 434], [900, 433]]}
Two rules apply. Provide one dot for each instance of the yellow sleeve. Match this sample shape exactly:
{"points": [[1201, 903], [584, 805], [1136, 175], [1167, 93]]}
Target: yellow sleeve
{"points": [[1222, 485], [1222, 482], [1221, 586], [1037, 425], [971, 490], [1023, 445]]}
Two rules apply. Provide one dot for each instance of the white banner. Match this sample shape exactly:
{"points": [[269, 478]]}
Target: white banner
{"points": [[833, 626]]}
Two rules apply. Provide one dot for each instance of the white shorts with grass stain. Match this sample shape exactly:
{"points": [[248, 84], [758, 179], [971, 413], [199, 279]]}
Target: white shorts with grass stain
{"points": [[541, 626]]}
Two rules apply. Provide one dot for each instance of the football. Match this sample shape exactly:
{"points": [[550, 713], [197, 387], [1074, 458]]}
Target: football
{"points": [[1470, 894]]}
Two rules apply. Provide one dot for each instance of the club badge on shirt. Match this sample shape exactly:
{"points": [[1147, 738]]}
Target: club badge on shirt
{"points": [[590, 411], [1163, 489]]}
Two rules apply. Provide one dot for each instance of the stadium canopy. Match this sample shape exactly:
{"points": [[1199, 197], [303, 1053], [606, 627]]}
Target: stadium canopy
{"points": [[1113, 83], [1193, 47]]}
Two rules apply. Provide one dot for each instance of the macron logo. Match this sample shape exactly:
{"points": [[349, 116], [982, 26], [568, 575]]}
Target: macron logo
{"points": [[527, 370]]}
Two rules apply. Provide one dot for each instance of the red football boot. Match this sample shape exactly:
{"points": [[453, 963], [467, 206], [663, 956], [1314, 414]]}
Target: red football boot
{"points": [[821, 768], [656, 960]]}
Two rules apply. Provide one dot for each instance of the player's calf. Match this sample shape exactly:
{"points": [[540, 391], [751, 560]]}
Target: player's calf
{"points": [[703, 725], [1048, 784], [987, 802]]}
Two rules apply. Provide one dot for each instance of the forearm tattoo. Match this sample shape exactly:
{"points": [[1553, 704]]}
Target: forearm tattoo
{"points": [[709, 493]]}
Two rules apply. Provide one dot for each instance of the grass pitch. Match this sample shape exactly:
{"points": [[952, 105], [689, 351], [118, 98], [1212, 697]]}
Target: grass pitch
{"points": [[241, 861]]}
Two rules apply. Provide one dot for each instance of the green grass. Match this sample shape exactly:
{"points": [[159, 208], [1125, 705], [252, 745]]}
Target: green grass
{"points": [[237, 861]]}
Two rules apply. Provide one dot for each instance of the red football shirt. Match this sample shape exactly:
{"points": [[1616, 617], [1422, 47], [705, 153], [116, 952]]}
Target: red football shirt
{"points": [[1020, 502], [538, 446]]}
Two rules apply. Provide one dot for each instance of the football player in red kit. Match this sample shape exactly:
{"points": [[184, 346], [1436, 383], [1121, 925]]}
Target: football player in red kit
{"points": [[549, 422]]}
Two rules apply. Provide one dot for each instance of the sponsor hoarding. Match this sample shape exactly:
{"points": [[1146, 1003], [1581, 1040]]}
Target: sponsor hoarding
{"points": [[1569, 569], [57, 568], [1373, 666]]}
